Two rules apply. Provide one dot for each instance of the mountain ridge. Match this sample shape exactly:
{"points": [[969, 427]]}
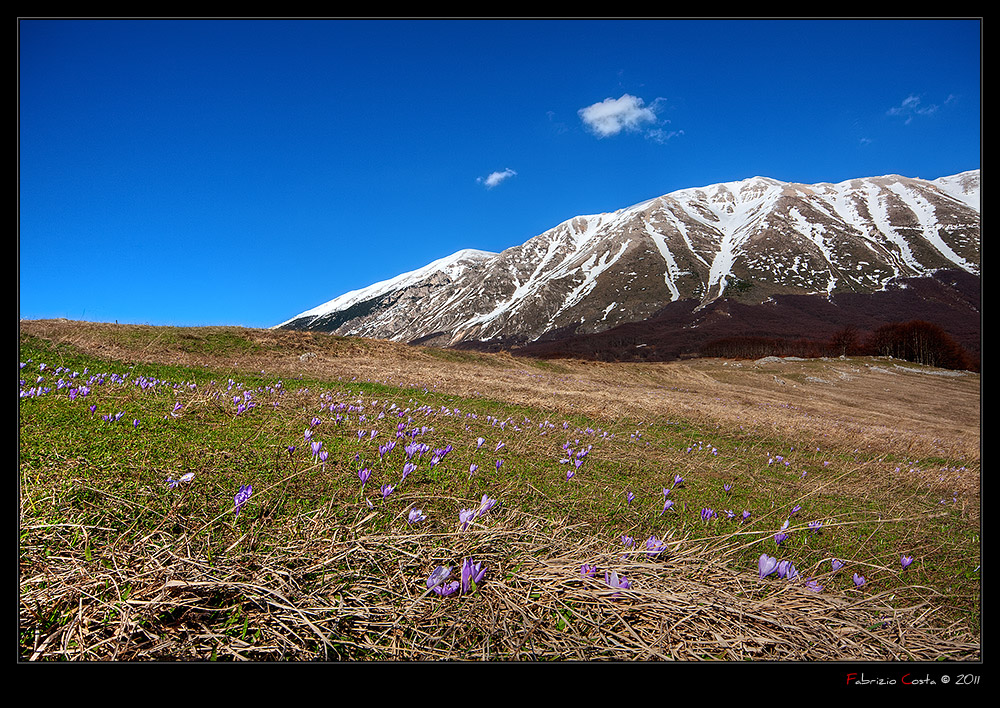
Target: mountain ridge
{"points": [[751, 239]]}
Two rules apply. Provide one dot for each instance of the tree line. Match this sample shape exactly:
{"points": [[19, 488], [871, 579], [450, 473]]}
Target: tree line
{"points": [[917, 341]]}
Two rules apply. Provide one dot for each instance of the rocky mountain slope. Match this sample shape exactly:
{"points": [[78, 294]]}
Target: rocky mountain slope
{"points": [[748, 241]]}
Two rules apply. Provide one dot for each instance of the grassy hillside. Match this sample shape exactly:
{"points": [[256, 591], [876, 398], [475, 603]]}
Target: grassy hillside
{"points": [[136, 542]]}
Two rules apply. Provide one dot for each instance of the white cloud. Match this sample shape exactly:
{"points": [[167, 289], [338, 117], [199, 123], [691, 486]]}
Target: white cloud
{"points": [[613, 115], [494, 178], [913, 106]]}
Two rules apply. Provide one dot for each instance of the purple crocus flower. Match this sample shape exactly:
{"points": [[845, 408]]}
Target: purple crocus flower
{"points": [[905, 561], [654, 546], [787, 570], [407, 468], [387, 489], [859, 580], [813, 585], [242, 497], [363, 475], [437, 577], [485, 505], [613, 580], [472, 575], [629, 497], [781, 535], [416, 515], [588, 571], [766, 565], [448, 589], [466, 516], [836, 564]]}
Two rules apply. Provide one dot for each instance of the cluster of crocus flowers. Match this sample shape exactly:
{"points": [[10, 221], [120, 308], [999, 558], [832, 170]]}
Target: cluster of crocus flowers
{"points": [[471, 575], [768, 564], [467, 516]]}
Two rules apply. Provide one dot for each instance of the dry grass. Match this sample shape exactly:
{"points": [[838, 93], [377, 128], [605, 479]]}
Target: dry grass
{"points": [[335, 593]]}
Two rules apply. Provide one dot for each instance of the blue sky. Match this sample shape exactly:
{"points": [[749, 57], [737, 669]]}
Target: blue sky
{"points": [[202, 172]]}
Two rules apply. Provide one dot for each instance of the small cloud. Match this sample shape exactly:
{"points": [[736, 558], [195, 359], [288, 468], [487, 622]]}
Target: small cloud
{"points": [[913, 106], [494, 178], [614, 115], [661, 136]]}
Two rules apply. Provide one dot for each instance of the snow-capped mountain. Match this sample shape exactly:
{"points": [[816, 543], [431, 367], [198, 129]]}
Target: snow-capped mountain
{"points": [[749, 240]]}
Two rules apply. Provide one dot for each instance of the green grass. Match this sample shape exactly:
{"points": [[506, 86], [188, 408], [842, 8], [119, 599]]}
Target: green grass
{"points": [[96, 492]]}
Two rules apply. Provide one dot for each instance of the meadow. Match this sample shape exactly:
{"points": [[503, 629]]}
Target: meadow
{"points": [[233, 494]]}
